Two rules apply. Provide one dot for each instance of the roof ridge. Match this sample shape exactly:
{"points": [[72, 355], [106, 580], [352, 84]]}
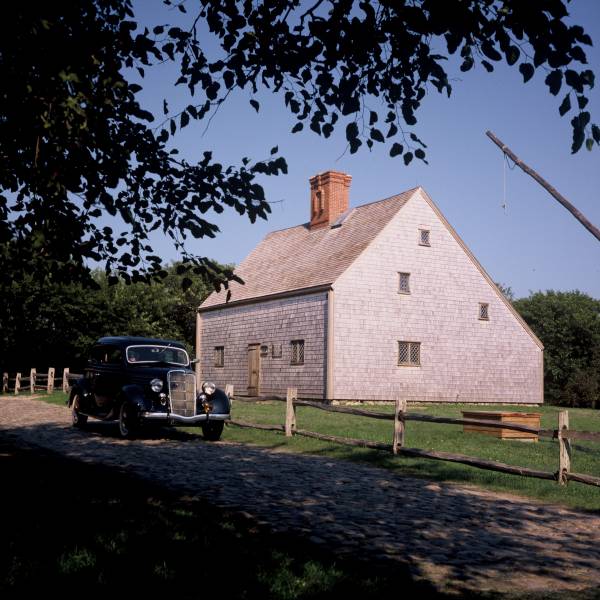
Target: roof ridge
{"points": [[350, 209]]}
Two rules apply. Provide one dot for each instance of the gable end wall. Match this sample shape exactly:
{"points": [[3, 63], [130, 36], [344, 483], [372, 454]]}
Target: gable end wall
{"points": [[463, 359]]}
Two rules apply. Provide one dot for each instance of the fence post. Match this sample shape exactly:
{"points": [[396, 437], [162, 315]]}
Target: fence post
{"points": [[65, 380], [229, 390], [17, 383], [399, 425], [5, 383], [290, 411], [32, 376], [564, 459], [50, 380]]}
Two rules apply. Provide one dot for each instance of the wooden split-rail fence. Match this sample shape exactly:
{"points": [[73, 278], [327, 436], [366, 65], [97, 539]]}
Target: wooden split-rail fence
{"points": [[562, 433], [37, 382]]}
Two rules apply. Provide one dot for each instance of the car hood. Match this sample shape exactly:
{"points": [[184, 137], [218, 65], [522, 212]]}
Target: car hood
{"points": [[143, 374]]}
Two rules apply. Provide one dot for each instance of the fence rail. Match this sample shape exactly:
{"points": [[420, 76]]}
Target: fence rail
{"points": [[400, 417], [38, 381]]}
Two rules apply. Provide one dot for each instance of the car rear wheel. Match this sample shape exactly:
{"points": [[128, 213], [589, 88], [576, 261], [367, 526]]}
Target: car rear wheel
{"points": [[212, 430], [128, 424], [78, 419]]}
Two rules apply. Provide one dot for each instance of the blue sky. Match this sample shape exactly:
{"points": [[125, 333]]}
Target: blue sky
{"points": [[522, 236]]}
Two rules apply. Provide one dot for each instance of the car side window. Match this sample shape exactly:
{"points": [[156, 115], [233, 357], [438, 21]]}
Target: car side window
{"points": [[113, 355], [102, 355], [97, 354]]}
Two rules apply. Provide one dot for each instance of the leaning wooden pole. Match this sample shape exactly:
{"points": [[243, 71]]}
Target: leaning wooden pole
{"points": [[551, 190]]}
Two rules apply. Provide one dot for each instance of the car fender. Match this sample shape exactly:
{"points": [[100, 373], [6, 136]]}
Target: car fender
{"points": [[81, 387], [135, 395], [220, 402]]}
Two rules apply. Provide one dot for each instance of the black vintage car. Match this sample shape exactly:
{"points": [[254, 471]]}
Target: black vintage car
{"points": [[137, 381]]}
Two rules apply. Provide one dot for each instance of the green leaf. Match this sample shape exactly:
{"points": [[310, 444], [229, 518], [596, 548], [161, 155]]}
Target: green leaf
{"points": [[355, 144], [467, 64], [578, 133], [377, 135], [596, 133], [373, 118], [565, 105], [588, 78], [488, 49], [554, 81], [420, 154], [527, 70], [274, 150], [574, 80], [396, 149], [512, 55], [407, 158], [185, 119], [351, 131], [298, 127], [255, 105]]}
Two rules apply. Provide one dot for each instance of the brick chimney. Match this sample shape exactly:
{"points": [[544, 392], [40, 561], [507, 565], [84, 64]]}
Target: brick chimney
{"points": [[329, 198]]}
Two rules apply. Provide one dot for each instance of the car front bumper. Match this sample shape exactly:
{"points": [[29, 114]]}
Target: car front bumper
{"points": [[173, 419]]}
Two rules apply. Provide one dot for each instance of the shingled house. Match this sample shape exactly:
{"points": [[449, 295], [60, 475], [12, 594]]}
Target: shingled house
{"points": [[368, 303]]}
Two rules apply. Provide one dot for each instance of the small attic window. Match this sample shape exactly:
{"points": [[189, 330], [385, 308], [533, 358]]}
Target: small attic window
{"points": [[484, 312], [424, 237]]}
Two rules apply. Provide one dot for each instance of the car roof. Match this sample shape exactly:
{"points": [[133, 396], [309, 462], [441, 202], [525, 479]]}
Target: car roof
{"points": [[127, 340]]}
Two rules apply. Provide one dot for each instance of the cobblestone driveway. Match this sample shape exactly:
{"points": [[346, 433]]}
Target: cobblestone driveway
{"points": [[455, 537]]}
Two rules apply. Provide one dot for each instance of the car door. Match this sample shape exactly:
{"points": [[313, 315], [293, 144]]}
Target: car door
{"points": [[106, 375]]}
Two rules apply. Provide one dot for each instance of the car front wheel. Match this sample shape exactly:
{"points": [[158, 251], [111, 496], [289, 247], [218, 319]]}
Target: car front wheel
{"points": [[212, 430], [128, 424], [78, 419]]}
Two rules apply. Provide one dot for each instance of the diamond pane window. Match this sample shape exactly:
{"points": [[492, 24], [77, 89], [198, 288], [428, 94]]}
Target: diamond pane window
{"points": [[424, 237], [409, 354], [297, 352], [219, 356], [484, 314], [404, 283]]}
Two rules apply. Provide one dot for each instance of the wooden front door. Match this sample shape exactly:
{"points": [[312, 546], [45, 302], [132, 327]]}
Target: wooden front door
{"points": [[253, 369]]}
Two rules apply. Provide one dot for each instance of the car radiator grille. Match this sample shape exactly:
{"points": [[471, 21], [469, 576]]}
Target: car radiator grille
{"points": [[182, 393]]}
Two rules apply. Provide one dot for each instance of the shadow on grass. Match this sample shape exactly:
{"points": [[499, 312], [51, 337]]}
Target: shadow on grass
{"points": [[86, 530]]}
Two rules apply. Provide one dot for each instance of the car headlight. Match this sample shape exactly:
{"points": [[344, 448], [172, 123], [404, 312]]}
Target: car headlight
{"points": [[208, 387], [156, 385]]}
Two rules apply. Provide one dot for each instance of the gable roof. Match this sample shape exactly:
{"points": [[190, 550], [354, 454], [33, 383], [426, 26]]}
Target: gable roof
{"points": [[299, 258]]}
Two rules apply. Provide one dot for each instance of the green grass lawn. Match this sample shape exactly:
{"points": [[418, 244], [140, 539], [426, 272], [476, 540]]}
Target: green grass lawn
{"points": [[449, 438]]}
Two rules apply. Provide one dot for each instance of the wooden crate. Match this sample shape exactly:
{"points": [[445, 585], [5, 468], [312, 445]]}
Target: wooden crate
{"points": [[518, 418]]}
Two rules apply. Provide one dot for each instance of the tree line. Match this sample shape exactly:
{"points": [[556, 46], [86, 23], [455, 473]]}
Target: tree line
{"points": [[568, 324], [55, 325]]}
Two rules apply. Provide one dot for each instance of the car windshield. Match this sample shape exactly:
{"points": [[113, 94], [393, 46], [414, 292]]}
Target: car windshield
{"points": [[155, 353]]}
